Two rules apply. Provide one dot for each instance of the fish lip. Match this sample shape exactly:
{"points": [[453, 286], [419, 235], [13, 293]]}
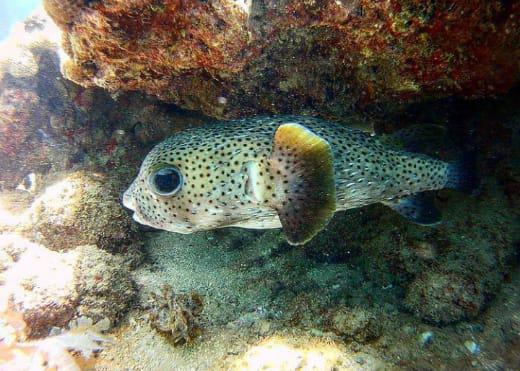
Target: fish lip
{"points": [[127, 200], [136, 217]]}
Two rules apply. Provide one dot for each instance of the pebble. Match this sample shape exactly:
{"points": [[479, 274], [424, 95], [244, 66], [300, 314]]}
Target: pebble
{"points": [[472, 347], [426, 338]]}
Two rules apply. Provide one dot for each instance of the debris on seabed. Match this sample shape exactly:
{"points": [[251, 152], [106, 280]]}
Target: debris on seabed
{"points": [[426, 338], [472, 347]]}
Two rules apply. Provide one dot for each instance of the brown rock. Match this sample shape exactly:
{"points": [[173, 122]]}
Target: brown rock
{"points": [[233, 58]]}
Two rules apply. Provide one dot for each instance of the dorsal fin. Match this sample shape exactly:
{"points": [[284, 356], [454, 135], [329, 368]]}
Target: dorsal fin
{"points": [[302, 164]]}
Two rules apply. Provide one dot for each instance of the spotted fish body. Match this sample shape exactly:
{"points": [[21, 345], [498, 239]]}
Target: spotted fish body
{"points": [[283, 171]]}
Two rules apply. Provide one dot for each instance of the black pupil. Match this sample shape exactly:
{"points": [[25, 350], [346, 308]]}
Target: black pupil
{"points": [[166, 180]]}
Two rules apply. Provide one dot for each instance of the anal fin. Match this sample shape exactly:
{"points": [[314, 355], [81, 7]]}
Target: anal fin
{"points": [[418, 208], [302, 164]]}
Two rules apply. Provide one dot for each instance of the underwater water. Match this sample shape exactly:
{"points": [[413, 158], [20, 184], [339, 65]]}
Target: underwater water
{"points": [[11, 12], [247, 185]]}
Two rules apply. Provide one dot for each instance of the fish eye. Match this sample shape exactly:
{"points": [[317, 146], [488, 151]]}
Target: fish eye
{"points": [[165, 181]]}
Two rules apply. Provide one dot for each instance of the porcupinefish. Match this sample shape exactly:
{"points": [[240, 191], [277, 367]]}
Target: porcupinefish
{"points": [[292, 172]]}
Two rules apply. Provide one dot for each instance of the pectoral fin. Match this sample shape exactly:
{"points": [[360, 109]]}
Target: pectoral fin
{"points": [[418, 208], [302, 163]]}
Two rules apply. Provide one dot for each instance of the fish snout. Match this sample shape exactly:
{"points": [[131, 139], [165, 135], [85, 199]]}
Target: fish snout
{"points": [[128, 198]]}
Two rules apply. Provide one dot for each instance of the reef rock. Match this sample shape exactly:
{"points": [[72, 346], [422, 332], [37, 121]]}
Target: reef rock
{"points": [[50, 124], [40, 284], [444, 298], [50, 288], [44, 124], [104, 285], [231, 58], [358, 324], [79, 209]]}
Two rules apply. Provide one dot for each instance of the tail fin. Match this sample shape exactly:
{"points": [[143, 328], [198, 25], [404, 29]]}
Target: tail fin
{"points": [[462, 174]]}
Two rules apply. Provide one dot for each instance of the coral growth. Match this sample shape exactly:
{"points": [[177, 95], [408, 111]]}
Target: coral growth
{"points": [[37, 111], [230, 58], [176, 315]]}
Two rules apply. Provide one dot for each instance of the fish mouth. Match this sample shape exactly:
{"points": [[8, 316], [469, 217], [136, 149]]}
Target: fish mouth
{"points": [[129, 203], [128, 199], [138, 219]]}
